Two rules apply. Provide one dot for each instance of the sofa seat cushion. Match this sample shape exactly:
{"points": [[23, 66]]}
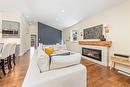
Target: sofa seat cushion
{"points": [[59, 47], [61, 61]]}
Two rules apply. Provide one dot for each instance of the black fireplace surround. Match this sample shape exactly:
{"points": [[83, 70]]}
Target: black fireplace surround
{"points": [[92, 53]]}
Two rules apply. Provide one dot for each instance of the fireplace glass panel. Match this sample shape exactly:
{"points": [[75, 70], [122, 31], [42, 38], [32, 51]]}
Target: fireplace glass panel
{"points": [[92, 53]]}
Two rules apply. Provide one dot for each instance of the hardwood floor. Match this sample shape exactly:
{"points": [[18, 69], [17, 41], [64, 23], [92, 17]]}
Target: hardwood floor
{"points": [[100, 76], [97, 75], [15, 77]]}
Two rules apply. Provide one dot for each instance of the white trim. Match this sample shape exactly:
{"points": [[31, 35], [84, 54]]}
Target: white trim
{"points": [[105, 54]]}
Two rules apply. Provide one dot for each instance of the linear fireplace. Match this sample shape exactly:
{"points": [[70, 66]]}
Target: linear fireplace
{"points": [[97, 54], [92, 53]]}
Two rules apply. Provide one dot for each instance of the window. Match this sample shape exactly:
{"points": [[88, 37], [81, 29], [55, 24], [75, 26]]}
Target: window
{"points": [[74, 35]]}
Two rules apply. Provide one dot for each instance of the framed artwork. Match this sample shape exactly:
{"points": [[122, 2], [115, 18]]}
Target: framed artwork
{"points": [[10, 29], [93, 32]]}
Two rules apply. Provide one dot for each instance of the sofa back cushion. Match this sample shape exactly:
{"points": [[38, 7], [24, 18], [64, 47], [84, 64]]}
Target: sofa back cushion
{"points": [[43, 61], [56, 47], [33, 69], [59, 47]]}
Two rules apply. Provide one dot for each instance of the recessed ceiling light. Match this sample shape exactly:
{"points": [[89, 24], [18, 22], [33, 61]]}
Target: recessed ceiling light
{"points": [[27, 16], [57, 19], [62, 11]]}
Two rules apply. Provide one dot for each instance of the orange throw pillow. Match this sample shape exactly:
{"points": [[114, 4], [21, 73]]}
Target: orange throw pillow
{"points": [[49, 51]]}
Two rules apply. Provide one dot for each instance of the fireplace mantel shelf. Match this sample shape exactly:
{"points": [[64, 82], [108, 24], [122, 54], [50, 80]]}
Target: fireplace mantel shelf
{"points": [[96, 43]]}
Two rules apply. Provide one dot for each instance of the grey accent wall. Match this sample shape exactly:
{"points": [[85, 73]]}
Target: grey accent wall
{"points": [[48, 35]]}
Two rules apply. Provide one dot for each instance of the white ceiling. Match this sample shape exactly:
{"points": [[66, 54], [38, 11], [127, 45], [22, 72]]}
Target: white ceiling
{"points": [[58, 13]]}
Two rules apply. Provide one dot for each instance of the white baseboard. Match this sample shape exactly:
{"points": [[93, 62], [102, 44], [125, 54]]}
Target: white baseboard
{"points": [[124, 73]]}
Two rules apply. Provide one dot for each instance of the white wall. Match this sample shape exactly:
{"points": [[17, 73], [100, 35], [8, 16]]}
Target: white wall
{"points": [[0, 25], [118, 21], [33, 29], [24, 32], [24, 35], [11, 16]]}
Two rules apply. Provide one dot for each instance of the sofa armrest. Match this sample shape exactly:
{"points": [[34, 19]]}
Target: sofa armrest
{"points": [[74, 76]]}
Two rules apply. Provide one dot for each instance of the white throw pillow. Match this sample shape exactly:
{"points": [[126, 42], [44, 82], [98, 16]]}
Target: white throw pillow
{"points": [[65, 60], [62, 47], [43, 61], [59, 47], [55, 47], [47, 46]]}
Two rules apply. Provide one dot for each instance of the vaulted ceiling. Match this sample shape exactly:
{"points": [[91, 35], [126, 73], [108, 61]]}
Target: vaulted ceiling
{"points": [[58, 13]]}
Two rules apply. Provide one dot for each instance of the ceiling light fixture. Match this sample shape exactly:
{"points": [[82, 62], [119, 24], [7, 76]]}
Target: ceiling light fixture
{"points": [[62, 11], [27, 16], [57, 19]]}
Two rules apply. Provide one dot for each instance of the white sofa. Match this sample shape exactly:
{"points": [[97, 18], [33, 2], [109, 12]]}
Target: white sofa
{"points": [[74, 76]]}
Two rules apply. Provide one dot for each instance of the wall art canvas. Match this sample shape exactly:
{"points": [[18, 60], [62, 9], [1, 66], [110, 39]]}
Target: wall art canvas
{"points": [[10, 28], [93, 32]]}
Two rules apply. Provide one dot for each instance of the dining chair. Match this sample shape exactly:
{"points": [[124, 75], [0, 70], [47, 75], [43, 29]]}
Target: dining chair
{"points": [[9, 52], [12, 52], [4, 57]]}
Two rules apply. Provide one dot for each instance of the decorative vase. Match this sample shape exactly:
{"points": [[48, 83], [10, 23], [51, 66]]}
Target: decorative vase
{"points": [[102, 38]]}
